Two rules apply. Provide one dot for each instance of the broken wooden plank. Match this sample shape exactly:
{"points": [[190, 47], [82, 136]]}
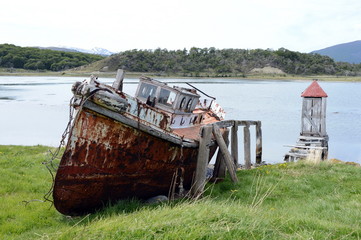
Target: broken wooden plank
{"points": [[308, 142], [226, 155], [306, 147], [299, 155], [311, 138], [219, 171]]}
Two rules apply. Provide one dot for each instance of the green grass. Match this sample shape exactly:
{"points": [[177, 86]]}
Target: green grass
{"points": [[283, 201]]}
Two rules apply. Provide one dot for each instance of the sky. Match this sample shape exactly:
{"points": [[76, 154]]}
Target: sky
{"points": [[119, 25]]}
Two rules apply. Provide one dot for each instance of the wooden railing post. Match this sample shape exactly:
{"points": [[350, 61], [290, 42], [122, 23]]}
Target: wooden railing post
{"points": [[258, 143], [226, 155], [234, 143], [202, 161], [118, 83], [247, 146]]}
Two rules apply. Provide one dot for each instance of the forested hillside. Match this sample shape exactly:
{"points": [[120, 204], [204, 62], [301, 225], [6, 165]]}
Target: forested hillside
{"points": [[12, 56], [193, 62], [221, 62]]}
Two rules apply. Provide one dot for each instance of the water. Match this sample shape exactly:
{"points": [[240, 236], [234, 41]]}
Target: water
{"points": [[35, 110]]}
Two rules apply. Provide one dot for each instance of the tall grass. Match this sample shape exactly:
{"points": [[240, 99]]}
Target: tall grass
{"points": [[283, 201]]}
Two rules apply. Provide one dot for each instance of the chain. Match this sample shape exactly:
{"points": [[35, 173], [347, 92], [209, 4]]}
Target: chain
{"points": [[54, 155]]}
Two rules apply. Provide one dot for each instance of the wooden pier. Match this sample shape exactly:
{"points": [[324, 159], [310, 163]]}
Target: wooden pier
{"points": [[226, 160]]}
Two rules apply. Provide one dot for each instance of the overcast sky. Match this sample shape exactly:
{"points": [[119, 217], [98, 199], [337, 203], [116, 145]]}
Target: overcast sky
{"points": [[303, 26]]}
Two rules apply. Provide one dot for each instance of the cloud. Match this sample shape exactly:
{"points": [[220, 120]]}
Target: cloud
{"points": [[120, 25]]}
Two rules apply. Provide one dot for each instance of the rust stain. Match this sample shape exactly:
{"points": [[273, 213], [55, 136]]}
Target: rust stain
{"points": [[164, 122], [106, 160]]}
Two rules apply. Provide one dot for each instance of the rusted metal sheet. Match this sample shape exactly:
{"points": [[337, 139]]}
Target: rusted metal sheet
{"points": [[106, 161], [147, 114]]}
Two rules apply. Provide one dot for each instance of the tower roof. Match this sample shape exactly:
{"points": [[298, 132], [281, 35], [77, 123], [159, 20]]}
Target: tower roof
{"points": [[314, 90]]}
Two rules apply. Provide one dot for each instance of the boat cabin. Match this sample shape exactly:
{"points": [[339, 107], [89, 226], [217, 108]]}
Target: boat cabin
{"points": [[171, 99]]}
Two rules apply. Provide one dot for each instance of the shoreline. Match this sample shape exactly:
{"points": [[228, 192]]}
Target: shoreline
{"points": [[276, 77]]}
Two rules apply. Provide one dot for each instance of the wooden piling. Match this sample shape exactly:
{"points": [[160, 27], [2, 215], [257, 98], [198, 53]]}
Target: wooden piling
{"points": [[247, 147], [234, 144], [118, 83], [219, 171], [258, 143], [226, 155], [202, 161]]}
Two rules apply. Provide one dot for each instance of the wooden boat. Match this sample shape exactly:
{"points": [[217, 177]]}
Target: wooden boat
{"points": [[120, 146]]}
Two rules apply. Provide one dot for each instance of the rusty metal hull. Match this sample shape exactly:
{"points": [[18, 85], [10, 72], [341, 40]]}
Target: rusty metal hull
{"points": [[106, 160]]}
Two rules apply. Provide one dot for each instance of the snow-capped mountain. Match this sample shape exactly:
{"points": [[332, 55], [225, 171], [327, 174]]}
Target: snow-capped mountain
{"points": [[96, 50]]}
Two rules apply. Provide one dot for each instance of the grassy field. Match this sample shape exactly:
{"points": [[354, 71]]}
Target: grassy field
{"points": [[283, 201]]}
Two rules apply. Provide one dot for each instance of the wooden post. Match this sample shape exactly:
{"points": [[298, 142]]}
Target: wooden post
{"points": [[202, 161], [118, 83], [226, 155], [234, 144], [247, 147], [258, 143], [219, 171]]}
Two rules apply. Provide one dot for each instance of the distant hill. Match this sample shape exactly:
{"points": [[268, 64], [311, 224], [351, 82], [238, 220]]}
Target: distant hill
{"points": [[345, 52], [96, 50], [195, 62], [33, 58], [212, 62]]}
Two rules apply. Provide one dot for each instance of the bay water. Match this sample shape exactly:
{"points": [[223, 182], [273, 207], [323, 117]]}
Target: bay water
{"points": [[35, 110]]}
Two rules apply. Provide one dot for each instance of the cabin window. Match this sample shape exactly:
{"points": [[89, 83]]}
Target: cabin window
{"points": [[166, 97], [147, 90], [182, 103], [189, 104]]}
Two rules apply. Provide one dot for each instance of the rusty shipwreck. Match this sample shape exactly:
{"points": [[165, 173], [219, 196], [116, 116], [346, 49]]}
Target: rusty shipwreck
{"points": [[121, 146]]}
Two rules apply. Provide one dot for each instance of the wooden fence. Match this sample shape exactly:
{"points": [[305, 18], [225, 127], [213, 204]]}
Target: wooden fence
{"points": [[225, 159]]}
